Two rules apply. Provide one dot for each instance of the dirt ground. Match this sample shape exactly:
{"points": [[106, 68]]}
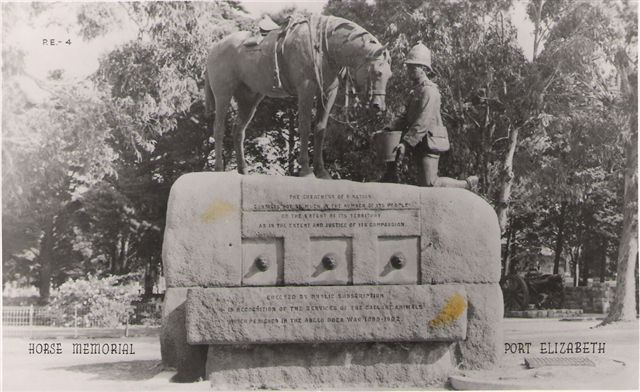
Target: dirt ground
{"points": [[22, 371]]}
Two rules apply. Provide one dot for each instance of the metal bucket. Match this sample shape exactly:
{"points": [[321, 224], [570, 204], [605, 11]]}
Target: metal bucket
{"points": [[384, 143]]}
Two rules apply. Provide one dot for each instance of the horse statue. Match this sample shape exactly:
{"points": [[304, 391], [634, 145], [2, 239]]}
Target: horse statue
{"points": [[302, 59]]}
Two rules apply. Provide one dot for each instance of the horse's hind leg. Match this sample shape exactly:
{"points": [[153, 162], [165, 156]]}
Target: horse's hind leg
{"points": [[248, 101], [219, 128], [305, 102], [324, 110]]}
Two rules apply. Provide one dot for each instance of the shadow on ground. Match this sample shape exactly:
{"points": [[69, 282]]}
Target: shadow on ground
{"points": [[119, 371]]}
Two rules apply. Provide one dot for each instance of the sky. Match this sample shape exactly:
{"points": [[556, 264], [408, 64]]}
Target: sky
{"points": [[79, 58]]}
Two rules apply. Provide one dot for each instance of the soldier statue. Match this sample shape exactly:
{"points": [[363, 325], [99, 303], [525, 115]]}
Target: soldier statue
{"points": [[424, 134]]}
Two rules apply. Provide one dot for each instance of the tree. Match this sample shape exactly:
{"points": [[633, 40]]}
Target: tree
{"points": [[154, 84], [110, 148], [478, 68], [51, 153], [540, 134], [55, 147], [571, 93], [545, 14], [573, 180], [624, 304]]}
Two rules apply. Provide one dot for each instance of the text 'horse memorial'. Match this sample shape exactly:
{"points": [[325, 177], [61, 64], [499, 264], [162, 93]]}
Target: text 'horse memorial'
{"points": [[282, 282], [303, 59]]}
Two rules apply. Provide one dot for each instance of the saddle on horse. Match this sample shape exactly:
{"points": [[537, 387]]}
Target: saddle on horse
{"points": [[268, 43], [272, 44], [255, 40]]}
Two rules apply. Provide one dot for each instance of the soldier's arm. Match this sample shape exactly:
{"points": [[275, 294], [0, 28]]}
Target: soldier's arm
{"points": [[417, 129], [430, 110], [399, 123]]}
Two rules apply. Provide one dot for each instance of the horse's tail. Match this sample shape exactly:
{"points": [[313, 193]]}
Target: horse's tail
{"points": [[209, 99]]}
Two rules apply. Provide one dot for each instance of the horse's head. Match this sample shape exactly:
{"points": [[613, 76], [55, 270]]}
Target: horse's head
{"points": [[371, 79]]}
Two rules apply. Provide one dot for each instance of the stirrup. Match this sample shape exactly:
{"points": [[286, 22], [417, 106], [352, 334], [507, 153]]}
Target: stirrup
{"points": [[276, 79]]}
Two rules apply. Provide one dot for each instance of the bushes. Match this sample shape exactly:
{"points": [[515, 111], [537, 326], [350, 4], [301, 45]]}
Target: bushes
{"points": [[101, 302]]}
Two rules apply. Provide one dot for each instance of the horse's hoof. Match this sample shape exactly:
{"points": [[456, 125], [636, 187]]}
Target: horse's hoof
{"points": [[323, 174]]}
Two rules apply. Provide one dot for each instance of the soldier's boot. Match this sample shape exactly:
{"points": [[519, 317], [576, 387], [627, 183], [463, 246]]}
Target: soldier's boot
{"points": [[391, 174], [472, 183]]}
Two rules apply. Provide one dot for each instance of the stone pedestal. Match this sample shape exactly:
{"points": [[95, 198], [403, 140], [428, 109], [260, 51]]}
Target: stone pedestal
{"points": [[286, 282], [322, 366]]}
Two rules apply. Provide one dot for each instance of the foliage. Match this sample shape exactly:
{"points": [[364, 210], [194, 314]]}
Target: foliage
{"points": [[108, 232], [87, 167], [574, 159], [102, 301], [569, 152], [154, 84], [52, 151], [86, 176], [478, 68]]}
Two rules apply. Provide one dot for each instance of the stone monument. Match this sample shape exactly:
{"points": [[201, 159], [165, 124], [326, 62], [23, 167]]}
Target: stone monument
{"points": [[281, 282]]}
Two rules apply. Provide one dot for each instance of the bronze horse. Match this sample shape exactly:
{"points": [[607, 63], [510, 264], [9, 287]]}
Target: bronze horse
{"points": [[304, 60]]}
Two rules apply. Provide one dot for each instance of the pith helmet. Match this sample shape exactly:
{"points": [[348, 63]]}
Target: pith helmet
{"points": [[420, 55], [267, 24]]}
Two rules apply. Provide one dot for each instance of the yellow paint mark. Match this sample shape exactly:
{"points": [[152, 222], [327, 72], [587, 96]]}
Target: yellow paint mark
{"points": [[455, 306], [217, 210]]}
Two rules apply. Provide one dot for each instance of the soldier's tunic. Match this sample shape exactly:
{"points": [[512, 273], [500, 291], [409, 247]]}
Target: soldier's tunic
{"points": [[422, 114]]}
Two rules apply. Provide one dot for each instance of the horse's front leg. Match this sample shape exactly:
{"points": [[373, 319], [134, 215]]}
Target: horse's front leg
{"points": [[323, 116], [248, 101], [305, 103], [222, 105]]}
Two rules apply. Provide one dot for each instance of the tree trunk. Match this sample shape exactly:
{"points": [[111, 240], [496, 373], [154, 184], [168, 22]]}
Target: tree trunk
{"points": [[590, 257], [487, 136], [483, 161], [502, 209], [45, 258], [509, 251], [559, 238], [114, 258], [507, 255], [603, 260], [587, 260], [148, 280], [536, 29], [624, 303], [292, 143], [122, 254]]}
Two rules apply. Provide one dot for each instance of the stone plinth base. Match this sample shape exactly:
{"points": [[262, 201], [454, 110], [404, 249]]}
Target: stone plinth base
{"points": [[322, 366], [278, 270]]}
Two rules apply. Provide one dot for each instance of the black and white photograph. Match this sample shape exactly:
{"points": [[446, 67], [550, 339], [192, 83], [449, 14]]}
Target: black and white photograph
{"points": [[319, 195]]}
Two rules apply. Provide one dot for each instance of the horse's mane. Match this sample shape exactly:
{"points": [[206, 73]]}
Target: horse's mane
{"points": [[352, 32]]}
